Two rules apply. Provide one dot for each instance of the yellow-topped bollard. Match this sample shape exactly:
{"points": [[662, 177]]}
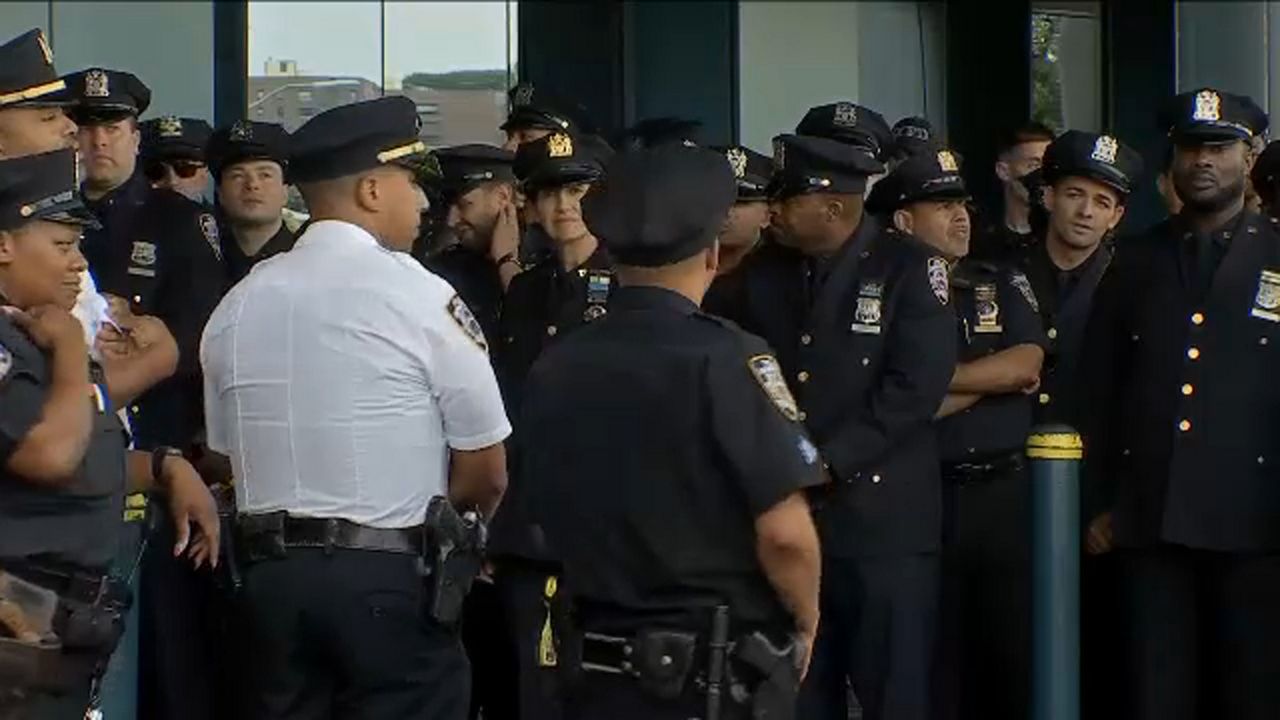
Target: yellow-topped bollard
{"points": [[1055, 453]]}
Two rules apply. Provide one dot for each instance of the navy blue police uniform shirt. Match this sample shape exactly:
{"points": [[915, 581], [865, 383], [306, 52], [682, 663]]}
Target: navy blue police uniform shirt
{"points": [[76, 523], [476, 279], [238, 264], [868, 344], [161, 252], [654, 438], [1180, 416], [995, 310]]}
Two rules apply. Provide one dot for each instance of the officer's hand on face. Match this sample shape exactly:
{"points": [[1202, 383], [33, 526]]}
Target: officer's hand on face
{"points": [[1099, 537], [506, 233], [191, 503], [51, 328]]}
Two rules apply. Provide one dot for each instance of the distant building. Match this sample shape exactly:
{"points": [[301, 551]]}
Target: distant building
{"points": [[450, 116]]}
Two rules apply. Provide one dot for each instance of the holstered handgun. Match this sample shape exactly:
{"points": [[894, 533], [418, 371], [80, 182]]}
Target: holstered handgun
{"points": [[767, 676], [453, 548], [227, 577]]}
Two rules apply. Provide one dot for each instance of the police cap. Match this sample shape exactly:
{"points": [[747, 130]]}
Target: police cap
{"points": [[658, 206], [851, 124], [540, 108], [42, 187], [27, 76], [1207, 115], [361, 136], [1076, 153], [653, 132], [466, 167], [804, 164], [926, 176], [751, 169], [100, 95], [560, 159], [1266, 170], [247, 140], [174, 138], [913, 136]]}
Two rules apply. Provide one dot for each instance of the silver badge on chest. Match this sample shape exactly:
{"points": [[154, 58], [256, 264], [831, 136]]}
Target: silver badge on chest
{"points": [[986, 309], [1266, 304], [867, 313]]}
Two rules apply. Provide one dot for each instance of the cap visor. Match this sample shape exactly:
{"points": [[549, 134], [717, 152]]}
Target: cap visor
{"points": [[561, 177], [71, 213]]}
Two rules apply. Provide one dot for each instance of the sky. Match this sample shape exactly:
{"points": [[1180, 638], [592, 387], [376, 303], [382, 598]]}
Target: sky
{"points": [[344, 38]]}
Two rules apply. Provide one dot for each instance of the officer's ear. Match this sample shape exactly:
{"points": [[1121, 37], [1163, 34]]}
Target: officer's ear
{"points": [[1003, 172], [835, 209], [7, 240], [904, 220], [1119, 215]]}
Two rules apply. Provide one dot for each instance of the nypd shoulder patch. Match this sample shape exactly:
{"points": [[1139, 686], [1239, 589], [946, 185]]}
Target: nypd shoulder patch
{"points": [[6, 362], [768, 373], [1020, 282], [938, 279], [209, 226], [462, 315]]}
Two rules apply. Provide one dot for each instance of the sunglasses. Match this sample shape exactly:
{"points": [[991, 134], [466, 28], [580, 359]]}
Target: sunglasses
{"points": [[157, 170]]}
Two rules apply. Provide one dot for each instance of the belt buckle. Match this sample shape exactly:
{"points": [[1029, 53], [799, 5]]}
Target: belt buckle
{"points": [[623, 645]]}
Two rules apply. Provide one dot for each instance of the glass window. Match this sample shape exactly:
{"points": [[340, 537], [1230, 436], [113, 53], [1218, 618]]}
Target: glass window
{"points": [[455, 60], [1066, 65]]}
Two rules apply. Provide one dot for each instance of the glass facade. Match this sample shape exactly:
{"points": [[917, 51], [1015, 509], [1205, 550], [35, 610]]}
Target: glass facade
{"points": [[1066, 65], [455, 60]]}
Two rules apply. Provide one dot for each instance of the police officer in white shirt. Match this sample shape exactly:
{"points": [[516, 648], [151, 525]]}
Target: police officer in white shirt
{"points": [[348, 385]]}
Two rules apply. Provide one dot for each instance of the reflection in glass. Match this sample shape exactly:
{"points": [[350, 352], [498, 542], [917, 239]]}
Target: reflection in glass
{"points": [[1066, 69]]}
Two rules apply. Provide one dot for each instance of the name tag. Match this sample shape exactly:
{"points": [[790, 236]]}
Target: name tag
{"points": [[144, 272]]}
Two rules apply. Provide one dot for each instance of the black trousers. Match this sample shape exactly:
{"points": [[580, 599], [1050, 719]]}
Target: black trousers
{"points": [[878, 635], [521, 585], [490, 646], [1204, 634], [343, 635], [985, 631]]}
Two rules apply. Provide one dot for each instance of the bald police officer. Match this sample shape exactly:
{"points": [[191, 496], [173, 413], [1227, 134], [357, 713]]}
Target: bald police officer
{"points": [[378, 397], [1182, 429], [861, 318], [983, 426], [677, 553]]}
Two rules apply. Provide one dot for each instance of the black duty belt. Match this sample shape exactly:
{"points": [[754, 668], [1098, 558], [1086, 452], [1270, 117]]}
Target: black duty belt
{"points": [[70, 583], [986, 469], [279, 530]]}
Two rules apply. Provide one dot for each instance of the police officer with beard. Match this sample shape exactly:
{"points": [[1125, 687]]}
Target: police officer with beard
{"points": [[861, 318], [1181, 423]]}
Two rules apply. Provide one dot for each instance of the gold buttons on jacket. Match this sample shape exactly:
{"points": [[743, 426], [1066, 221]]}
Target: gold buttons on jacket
{"points": [[551, 330], [1044, 398], [806, 339], [1053, 333], [1193, 353], [1188, 389], [1185, 426], [1197, 318], [803, 376]]}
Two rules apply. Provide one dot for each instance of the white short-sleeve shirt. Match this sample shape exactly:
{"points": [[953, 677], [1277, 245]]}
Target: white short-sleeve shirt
{"points": [[337, 378]]}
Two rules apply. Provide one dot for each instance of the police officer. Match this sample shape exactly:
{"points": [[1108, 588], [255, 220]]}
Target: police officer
{"points": [[543, 304], [479, 187], [1266, 179], [746, 227], [1087, 180], [1019, 151], [914, 136], [860, 315], [172, 154], [249, 161], [1182, 429], [670, 536], [32, 97], [985, 419], [64, 473], [536, 112], [391, 400]]}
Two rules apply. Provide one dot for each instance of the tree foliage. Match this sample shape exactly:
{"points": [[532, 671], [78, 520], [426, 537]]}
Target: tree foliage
{"points": [[1046, 74], [459, 80]]}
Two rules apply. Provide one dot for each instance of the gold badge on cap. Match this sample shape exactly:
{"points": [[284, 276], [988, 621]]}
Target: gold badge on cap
{"points": [[1266, 304], [947, 161], [96, 84], [44, 47], [241, 131], [560, 146], [523, 94], [1208, 106], [846, 115], [768, 373], [737, 161], [170, 126], [1104, 149]]}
